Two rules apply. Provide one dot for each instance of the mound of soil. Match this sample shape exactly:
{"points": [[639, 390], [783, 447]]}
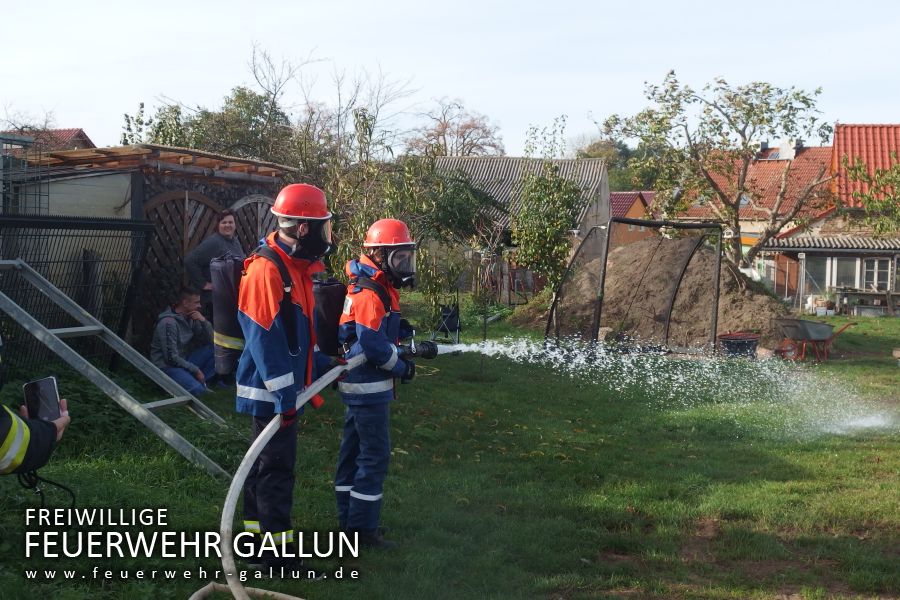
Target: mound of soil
{"points": [[640, 281]]}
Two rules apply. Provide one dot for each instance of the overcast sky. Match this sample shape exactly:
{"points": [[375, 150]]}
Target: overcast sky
{"points": [[520, 63]]}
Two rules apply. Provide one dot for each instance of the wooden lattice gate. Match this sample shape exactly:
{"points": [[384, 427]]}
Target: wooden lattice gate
{"points": [[254, 219], [182, 219]]}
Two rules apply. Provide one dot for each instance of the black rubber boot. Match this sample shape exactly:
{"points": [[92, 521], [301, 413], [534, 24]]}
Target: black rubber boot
{"points": [[254, 560], [374, 538], [292, 563]]}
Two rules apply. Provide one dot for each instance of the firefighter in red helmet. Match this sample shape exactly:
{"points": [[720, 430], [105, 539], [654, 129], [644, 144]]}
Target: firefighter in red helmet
{"points": [[275, 311], [371, 325]]}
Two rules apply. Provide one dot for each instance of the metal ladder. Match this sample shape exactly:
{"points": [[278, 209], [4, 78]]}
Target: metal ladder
{"points": [[89, 326]]}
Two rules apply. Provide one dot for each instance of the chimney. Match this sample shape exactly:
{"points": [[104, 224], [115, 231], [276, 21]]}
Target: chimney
{"points": [[798, 145], [763, 146], [786, 150]]}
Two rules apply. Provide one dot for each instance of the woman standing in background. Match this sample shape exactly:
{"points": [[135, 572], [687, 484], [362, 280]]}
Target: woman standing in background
{"points": [[196, 263]]}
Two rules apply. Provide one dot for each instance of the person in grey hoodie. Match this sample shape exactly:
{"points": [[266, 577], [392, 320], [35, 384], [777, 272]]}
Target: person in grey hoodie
{"points": [[196, 263], [182, 343]]}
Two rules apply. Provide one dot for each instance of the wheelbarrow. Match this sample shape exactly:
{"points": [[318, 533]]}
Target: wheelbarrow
{"points": [[800, 334]]}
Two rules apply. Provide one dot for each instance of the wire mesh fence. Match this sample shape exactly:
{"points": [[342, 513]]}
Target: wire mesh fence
{"points": [[93, 261], [642, 281]]}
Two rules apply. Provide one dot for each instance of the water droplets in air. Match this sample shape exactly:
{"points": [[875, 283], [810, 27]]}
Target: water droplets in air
{"points": [[769, 395]]}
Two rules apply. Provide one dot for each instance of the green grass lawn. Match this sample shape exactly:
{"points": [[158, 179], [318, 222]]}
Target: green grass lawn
{"points": [[862, 354], [516, 480]]}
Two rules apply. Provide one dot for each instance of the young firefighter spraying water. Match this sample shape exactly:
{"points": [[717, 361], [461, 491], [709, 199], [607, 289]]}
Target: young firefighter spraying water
{"points": [[371, 325], [275, 310]]}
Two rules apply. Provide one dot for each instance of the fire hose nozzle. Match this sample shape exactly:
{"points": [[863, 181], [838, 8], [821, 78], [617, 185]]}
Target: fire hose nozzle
{"points": [[424, 349]]}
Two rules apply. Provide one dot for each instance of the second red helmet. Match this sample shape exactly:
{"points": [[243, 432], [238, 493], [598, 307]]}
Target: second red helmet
{"points": [[388, 232]]}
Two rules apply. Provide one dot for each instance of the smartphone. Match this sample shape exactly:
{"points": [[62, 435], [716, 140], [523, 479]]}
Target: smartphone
{"points": [[42, 399]]}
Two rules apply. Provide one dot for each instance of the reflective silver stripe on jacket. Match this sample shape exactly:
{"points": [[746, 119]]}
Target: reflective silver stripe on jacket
{"points": [[276, 383], [391, 361], [369, 497], [261, 395], [366, 388], [253, 393]]}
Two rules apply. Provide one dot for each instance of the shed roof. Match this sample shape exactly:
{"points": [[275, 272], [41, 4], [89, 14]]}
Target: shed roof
{"points": [[501, 177], [865, 245], [153, 155]]}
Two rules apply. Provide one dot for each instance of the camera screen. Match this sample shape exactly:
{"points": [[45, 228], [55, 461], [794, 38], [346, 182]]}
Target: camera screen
{"points": [[42, 399]]}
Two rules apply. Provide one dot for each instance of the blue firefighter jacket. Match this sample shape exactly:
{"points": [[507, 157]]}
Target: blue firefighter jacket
{"points": [[270, 374], [373, 331]]}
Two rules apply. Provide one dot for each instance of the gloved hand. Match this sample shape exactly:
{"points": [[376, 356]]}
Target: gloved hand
{"points": [[288, 418], [409, 373], [406, 330], [335, 361]]}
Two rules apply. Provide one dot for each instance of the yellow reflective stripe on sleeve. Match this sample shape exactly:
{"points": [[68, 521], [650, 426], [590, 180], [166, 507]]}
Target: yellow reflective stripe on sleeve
{"points": [[14, 447], [226, 341], [251, 526], [283, 536]]}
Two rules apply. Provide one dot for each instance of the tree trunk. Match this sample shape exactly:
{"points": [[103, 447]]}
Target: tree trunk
{"points": [[737, 252]]}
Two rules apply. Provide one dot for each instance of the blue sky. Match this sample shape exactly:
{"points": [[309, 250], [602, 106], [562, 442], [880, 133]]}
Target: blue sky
{"points": [[519, 63]]}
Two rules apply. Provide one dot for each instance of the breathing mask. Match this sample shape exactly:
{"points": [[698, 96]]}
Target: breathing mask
{"points": [[399, 264], [314, 244]]}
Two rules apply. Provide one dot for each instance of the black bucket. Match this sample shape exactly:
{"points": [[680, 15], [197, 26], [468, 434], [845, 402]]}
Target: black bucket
{"points": [[739, 344]]}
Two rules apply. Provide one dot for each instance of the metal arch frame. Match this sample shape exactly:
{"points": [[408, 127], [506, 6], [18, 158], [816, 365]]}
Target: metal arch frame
{"points": [[552, 314], [715, 283], [658, 224]]}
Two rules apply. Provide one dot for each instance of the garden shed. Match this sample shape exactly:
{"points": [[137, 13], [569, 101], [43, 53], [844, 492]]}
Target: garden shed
{"points": [[178, 190]]}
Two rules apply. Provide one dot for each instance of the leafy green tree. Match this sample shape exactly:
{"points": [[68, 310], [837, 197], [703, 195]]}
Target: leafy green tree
{"points": [[704, 142], [549, 207], [134, 131], [879, 193], [625, 171]]}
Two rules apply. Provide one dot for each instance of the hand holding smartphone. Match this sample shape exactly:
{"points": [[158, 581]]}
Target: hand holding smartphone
{"points": [[42, 399]]}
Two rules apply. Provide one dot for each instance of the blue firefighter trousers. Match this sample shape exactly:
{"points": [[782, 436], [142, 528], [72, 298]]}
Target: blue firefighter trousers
{"points": [[362, 466], [269, 488]]}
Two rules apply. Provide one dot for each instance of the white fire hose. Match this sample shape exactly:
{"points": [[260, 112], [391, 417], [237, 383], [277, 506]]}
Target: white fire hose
{"points": [[237, 485]]}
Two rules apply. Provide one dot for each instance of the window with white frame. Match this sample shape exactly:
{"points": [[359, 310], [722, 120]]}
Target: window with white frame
{"points": [[844, 272], [816, 274], [897, 273], [876, 274]]}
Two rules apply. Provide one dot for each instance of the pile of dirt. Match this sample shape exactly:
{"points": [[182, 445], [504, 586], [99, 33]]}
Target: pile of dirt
{"points": [[639, 284]]}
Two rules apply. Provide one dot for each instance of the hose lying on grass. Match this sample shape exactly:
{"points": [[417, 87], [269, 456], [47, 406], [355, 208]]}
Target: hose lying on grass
{"points": [[237, 485], [212, 588]]}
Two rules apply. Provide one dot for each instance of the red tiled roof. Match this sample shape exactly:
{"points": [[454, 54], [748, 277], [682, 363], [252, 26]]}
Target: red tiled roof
{"points": [[764, 179], [871, 143], [621, 202], [48, 140]]}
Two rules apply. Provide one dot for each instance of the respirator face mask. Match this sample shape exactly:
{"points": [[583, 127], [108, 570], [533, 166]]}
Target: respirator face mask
{"points": [[316, 243], [401, 266]]}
